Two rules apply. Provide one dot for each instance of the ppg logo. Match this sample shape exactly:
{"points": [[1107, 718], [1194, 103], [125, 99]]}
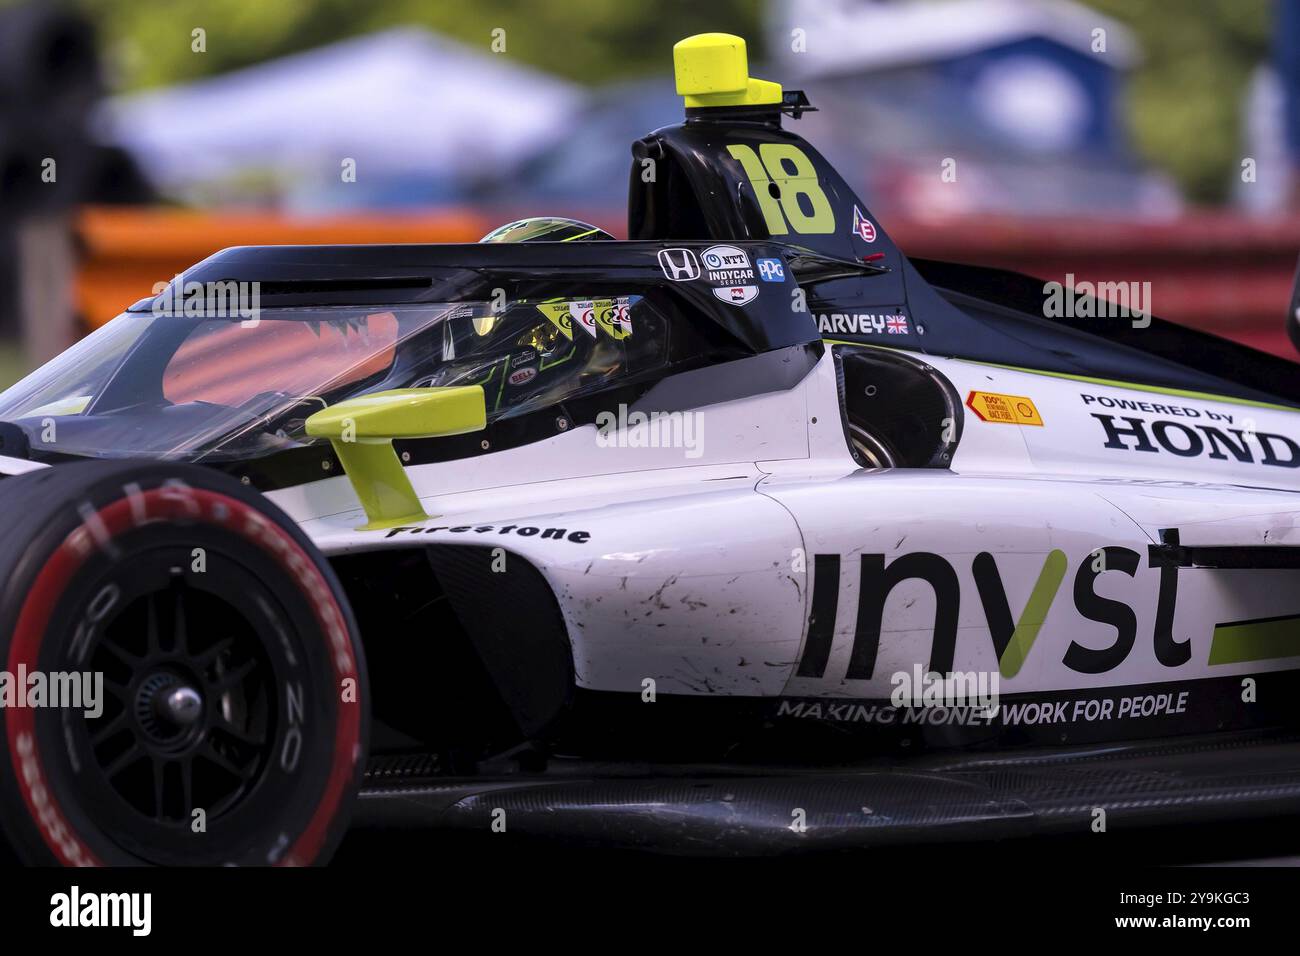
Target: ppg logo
{"points": [[770, 270], [679, 265]]}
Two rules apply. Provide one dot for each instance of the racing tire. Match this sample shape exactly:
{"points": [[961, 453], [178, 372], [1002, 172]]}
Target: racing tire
{"points": [[231, 719]]}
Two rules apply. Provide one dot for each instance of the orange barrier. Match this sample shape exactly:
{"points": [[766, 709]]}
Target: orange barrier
{"points": [[1223, 273], [125, 251], [1215, 271]]}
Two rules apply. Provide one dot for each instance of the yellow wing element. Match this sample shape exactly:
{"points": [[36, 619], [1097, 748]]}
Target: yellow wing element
{"points": [[361, 431], [712, 69]]}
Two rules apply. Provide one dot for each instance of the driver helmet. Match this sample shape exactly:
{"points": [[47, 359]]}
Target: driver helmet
{"points": [[535, 351], [546, 229]]}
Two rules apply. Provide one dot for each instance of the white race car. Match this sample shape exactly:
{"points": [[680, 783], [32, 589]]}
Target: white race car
{"points": [[748, 533]]}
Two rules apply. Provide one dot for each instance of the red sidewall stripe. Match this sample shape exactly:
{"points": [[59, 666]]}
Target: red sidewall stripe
{"points": [[176, 503]]}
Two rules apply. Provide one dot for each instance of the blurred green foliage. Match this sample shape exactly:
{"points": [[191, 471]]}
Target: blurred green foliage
{"points": [[1185, 104], [13, 364], [584, 40], [1186, 95]]}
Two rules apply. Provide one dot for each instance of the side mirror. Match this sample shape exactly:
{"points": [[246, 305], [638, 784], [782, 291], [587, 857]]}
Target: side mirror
{"points": [[361, 431]]}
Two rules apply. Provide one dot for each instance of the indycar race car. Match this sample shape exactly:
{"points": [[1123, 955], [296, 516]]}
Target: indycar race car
{"points": [[745, 534]]}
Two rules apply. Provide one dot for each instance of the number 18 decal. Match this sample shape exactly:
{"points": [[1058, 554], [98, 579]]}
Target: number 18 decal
{"points": [[794, 175]]}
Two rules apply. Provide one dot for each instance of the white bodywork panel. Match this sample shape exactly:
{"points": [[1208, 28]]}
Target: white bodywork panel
{"points": [[694, 567]]}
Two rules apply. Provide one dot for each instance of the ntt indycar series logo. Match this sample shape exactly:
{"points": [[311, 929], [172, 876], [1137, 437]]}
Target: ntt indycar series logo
{"points": [[727, 265], [726, 268]]}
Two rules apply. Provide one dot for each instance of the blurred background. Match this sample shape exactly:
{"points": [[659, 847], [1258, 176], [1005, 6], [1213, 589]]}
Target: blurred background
{"points": [[1114, 140]]}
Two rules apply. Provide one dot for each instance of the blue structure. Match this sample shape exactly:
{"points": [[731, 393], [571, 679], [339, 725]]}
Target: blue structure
{"points": [[1286, 59]]}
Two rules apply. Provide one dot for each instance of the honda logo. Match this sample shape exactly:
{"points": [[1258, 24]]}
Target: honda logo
{"points": [[679, 265]]}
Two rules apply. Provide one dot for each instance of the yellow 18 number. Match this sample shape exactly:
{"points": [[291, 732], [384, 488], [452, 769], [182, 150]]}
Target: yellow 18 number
{"points": [[794, 175]]}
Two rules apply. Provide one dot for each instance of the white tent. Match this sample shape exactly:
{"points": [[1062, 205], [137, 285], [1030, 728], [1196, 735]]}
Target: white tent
{"points": [[403, 104], [841, 36]]}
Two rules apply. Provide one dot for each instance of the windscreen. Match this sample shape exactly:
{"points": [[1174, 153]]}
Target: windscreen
{"points": [[178, 387]]}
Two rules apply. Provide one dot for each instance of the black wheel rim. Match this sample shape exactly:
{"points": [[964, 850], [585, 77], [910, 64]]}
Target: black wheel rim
{"points": [[187, 702], [231, 639]]}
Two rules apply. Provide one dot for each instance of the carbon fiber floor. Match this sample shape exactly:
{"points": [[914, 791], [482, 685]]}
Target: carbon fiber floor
{"points": [[955, 798]]}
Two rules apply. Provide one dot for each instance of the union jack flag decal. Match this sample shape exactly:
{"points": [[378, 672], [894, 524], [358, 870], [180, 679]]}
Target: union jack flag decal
{"points": [[896, 325]]}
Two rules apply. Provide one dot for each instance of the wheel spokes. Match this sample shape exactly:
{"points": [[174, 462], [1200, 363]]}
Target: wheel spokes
{"points": [[110, 729], [132, 661], [234, 677], [125, 760], [159, 771], [153, 640], [240, 735], [216, 757], [161, 754], [213, 653], [187, 787], [180, 635]]}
